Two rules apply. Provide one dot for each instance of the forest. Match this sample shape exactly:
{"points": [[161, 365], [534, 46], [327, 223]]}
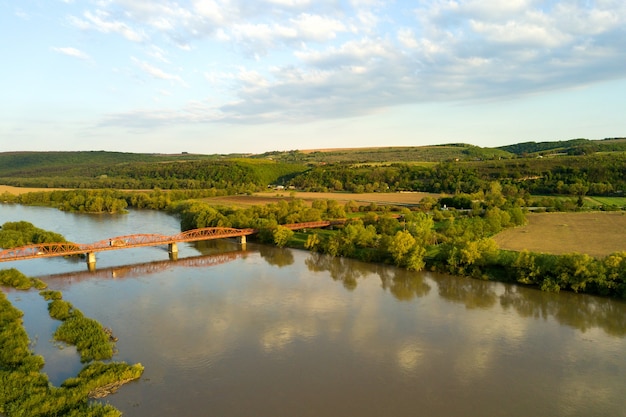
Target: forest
{"points": [[578, 167]]}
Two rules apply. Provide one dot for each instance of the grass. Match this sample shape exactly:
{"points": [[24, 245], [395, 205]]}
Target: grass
{"points": [[609, 201], [596, 234]]}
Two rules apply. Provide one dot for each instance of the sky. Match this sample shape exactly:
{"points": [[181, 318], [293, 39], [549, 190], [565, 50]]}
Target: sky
{"points": [[243, 76]]}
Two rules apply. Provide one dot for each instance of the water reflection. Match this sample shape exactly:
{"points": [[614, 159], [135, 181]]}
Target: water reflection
{"points": [[406, 285], [472, 293], [582, 313], [344, 270], [144, 269], [275, 256]]}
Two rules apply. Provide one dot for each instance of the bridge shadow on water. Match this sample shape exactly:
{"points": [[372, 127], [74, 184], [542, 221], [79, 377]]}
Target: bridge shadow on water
{"points": [[146, 268]]}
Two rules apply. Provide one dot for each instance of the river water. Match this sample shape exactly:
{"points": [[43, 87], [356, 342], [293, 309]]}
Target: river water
{"points": [[273, 332]]}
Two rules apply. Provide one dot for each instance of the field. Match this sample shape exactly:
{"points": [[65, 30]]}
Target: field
{"points": [[609, 201], [597, 234], [400, 199], [20, 190]]}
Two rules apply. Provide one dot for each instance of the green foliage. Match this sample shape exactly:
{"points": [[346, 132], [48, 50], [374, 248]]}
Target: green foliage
{"points": [[312, 242], [198, 214], [51, 295], [93, 170], [87, 335], [573, 272], [59, 309], [15, 279], [400, 246], [14, 344], [282, 235], [436, 153], [97, 377], [575, 167], [572, 147], [15, 234], [26, 392]]}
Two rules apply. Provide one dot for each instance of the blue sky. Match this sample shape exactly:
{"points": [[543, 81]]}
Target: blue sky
{"points": [[226, 76]]}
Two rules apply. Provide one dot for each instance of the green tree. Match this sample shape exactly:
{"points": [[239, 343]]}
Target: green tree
{"points": [[401, 245], [312, 242], [282, 235], [526, 268]]}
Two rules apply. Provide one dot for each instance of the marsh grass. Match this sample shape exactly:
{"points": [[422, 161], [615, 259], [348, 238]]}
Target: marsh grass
{"points": [[15, 279], [26, 392], [88, 335]]}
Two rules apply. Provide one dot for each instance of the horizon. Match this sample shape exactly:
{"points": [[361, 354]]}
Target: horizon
{"points": [[229, 76], [356, 148]]}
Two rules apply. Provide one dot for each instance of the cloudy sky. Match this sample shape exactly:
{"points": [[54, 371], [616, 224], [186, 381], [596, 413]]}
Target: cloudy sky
{"points": [[223, 76]]}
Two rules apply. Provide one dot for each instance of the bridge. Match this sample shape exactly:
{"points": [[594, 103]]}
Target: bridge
{"points": [[47, 250]]}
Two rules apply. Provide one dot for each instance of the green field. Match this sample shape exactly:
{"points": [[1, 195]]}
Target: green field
{"points": [[609, 201]]}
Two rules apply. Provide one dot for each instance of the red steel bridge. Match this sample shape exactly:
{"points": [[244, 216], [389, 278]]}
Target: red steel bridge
{"points": [[46, 250]]}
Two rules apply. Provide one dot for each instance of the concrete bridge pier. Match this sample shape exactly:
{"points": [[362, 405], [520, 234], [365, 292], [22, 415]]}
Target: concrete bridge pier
{"points": [[91, 261], [242, 241], [172, 249]]}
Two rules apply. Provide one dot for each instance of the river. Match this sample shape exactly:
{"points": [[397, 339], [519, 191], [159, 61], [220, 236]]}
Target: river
{"points": [[279, 332]]}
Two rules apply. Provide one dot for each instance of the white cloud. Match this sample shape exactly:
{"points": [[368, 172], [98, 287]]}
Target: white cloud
{"points": [[100, 21], [523, 33], [407, 38], [291, 3], [73, 52], [193, 112], [158, 53], [214, 11], [304, 60], [157, 72], [317, 28]]}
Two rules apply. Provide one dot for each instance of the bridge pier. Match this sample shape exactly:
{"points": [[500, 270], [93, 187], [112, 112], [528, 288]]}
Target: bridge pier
{"points": [[91, 261], [172, 249], [242, 240]]}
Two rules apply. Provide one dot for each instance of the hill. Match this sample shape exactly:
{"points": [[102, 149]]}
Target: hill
{"points": [[570, 147], [575, 167], [139, 171], [393, 154]]}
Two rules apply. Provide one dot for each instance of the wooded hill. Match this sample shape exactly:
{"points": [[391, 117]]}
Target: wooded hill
{"points": [[570, 147], [574, 167]]}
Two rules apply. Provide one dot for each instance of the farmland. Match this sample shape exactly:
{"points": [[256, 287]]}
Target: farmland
{"points": [[20, 190], [597, 234], [398, 199]]}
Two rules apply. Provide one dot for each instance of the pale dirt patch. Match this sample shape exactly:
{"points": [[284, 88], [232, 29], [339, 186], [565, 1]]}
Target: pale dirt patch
{"points": [[597, 233]]}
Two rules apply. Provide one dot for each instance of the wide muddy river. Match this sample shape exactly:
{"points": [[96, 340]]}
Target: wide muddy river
{"points": [[272, 332]]}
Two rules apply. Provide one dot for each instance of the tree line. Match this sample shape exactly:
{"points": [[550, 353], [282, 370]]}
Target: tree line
{"points": [[589, 174], [449, 240]]}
